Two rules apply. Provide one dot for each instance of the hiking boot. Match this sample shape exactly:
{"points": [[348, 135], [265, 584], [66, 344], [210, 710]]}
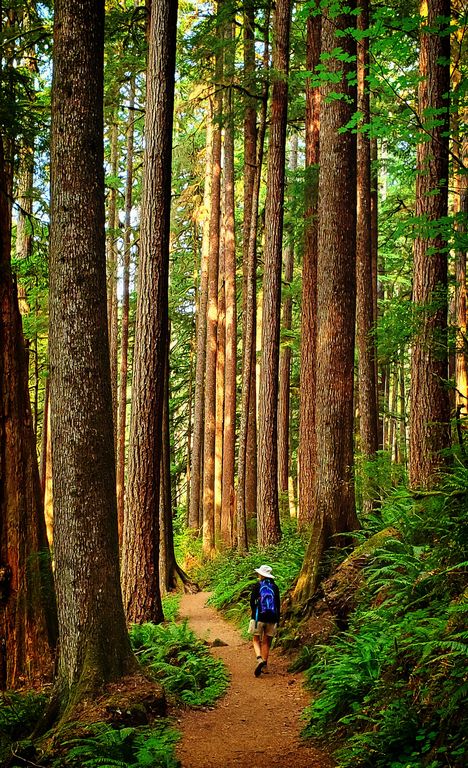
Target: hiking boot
{"points": [[259, 667]]}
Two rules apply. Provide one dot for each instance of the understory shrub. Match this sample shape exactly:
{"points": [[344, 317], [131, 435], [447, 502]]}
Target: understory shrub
{"points": [[19, 713], [394, 686], [170, 604]]}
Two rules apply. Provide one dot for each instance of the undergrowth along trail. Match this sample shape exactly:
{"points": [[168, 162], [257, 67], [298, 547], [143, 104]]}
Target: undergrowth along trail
{"points": [[258, 721]]}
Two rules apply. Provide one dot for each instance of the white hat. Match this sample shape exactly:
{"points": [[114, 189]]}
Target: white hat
{"points": [[265, 570]]}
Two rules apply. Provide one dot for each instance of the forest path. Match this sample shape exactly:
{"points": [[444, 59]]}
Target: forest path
{"points": [[257, 723]]}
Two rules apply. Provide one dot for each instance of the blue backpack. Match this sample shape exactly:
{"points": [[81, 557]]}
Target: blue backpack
{"points": [[266, 603]]}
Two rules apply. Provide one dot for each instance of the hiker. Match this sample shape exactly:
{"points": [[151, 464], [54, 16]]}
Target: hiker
{"points": [[265, 606]]}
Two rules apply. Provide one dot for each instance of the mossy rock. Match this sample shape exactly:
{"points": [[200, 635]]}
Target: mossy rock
{"points": [[329, 608], [138, 703], [339, 590], [133, 700]]}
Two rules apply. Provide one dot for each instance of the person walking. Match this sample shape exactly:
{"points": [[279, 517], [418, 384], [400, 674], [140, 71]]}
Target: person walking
{"points": [[265, 615]]}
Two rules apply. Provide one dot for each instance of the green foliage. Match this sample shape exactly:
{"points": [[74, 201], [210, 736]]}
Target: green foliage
{"points": [[376, 477], [102, 745], [393, 686], [187, 545], [181, 662], [19, 712], [171, 606]]}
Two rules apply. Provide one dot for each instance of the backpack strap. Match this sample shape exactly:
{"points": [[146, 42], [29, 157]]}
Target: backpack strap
{"points": [[257, 608]]}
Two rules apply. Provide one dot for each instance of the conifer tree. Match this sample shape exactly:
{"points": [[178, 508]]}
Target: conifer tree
{"points": [[429, 413], [268, 530], [334, 505], [140, 555], [94, 644]]}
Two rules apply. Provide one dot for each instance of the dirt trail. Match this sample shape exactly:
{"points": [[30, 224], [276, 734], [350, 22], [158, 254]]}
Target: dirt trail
{"points": [[257, 723]]}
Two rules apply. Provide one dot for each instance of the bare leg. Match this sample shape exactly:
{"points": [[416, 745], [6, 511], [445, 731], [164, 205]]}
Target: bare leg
{"points": [[258, 641], [257, 645], [266, 645]]}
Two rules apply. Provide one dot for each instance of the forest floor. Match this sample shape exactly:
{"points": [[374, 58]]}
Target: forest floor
{"points": [[257, 723]]}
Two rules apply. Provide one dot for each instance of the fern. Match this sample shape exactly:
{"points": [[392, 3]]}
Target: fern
{"points": [[181, 662], [19, 713], [394, 684], [108, 747]]}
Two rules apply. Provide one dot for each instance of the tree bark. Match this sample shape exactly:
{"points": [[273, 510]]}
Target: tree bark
{"points": [[112, 257], [46, 470], [429, 411], [140, 556], [460, 207], [169, 569], [376, 270], [334, 508], [268, 529], [124, 328], [189, 428], [94, 644], [227, 510], [244, 499], [25, 204], [285, 359], [307, 435], [28, 630], [365, 272], [212, 316], [220, 386], [249, 489], [196, 473]]}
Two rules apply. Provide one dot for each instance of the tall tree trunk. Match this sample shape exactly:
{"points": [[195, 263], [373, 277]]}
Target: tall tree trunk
{"points": [[220, 399], [461, 367], [44, 438], [212, 314], [140, 556], [429, 412], [25, 204], [196, 473], [365, 291], [127, 245], [285, 359], [376, 270], [112, 257], [189, 429], [169, 569], [393, 432], [307, 434], [24, 223], [167, 573], [244, 499], [227, 510], [268, 530], [28, 630], [249, 486], [460, 207], [24, 240], [94, 644], [334, 509], [46, 470], [403, 449]]}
